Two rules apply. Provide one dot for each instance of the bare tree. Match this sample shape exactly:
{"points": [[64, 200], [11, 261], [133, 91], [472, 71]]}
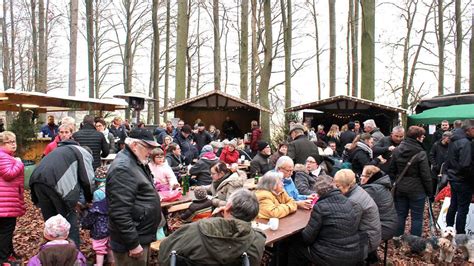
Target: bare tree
{"points": [[167, 56], [286, 15], [441, 45], [314, 16], [244, 50], [332, 47], [90, 46], [217, 45], [355, 48], [266, 69], [458, 45], [471, 53], [368, 50], [12, 47], [181, 46], [5, 50], [42, 49], [74, 7], [255, 60], [156, 61]]}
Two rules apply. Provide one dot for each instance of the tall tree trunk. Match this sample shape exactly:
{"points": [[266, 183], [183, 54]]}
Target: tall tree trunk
{"points": [[318, 53], [440, 35], [167, 58], [458, 42], [97, 52], [34, 41], [287, 38], [253, 73], [266, 70], [350, 17], [5, 49], [244, 50], [12, 48], [156, 62], [332, 47], [128, 57], [90, 46], [471, 53], [217, 45], [355, 49], [151, 107], [198, 73], [368, 50], [188, 72], [73, 47], [41, 47], [181, 46]]}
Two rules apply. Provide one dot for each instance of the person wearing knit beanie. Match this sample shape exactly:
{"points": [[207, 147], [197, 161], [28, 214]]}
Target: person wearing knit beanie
{"points": [[56, 228], [262, 145]]}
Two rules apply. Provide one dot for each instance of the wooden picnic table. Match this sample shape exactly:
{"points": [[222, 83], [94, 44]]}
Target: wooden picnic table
{"points": [[184, 199], [108, 159], [288, 226]]}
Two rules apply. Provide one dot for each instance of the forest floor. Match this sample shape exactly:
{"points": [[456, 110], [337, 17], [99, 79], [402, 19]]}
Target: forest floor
{"points": [[28, 237]]}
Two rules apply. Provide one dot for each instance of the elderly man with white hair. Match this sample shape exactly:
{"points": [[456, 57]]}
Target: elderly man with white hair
{"points": [[371, 127], [286, 166]]}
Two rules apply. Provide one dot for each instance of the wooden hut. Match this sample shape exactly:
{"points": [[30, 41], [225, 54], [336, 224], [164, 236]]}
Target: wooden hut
{"points": [[342, 108], [213, 107]]}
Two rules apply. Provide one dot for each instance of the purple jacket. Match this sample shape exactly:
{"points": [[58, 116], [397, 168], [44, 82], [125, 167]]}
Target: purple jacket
{"points": [[35, 261]]}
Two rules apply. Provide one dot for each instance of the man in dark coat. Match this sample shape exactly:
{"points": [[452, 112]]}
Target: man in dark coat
{"points": [[459, 169], [57, 182], [260, 164], [230, 129], [306, 178], [439, 133], [349, 135], [95, 140], [387, 144], [438, 155], [134, 204], [188, 150], [219, 241], [371, 127], [301, 147], [202, 137]]}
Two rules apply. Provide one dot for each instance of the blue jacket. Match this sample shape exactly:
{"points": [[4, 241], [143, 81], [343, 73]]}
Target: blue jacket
{"points": [[291, 189]]}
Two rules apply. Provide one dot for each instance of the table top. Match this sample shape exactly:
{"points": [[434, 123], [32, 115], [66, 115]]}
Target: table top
{"points": [[110, 157], [185, 198], [250, 184], [288, 226]]}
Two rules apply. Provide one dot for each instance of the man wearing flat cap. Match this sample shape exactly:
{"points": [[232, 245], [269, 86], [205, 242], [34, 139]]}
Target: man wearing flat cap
{"points": [[134, 204], [301, 147]]}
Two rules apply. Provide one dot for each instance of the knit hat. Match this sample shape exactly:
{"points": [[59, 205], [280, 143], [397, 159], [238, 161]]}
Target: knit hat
{"points": [[56, 228], [262, 145], [206, 148], [200, 192], [233, 143], [216, 144], [296, 126], [101, 173]]}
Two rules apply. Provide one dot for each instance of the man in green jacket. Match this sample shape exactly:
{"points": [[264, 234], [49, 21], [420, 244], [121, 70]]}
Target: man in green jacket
{"points": [[220, 240]]}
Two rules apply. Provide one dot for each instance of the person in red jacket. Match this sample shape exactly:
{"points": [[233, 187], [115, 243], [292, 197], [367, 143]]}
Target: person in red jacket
{"points": [[64, 133], [255, 138], [229, 154], [12, 204]]}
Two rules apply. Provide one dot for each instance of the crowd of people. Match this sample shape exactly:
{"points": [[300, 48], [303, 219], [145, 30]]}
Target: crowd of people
{"points": [[358, 184]]}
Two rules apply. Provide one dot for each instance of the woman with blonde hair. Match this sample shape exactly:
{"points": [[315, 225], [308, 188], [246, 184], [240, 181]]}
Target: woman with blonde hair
{"points": [[273, 200], [11, 193], [345, 180]]}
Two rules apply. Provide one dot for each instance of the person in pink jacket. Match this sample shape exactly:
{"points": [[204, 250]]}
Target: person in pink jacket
{"points": [[12, 204]]}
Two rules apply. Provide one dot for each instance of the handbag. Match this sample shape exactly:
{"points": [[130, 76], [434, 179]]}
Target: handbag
{"points": [[402, 174], [442, 177]]}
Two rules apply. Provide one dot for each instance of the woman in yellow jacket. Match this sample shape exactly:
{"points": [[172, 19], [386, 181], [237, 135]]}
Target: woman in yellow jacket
{"points": [[273, 200]]}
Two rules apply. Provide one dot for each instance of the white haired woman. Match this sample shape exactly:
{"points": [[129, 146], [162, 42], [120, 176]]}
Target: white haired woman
{"points": [[273, 200]]}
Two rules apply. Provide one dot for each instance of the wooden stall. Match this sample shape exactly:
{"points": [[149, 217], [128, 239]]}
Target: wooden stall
{"points": [[213, 107], [341, 109]]}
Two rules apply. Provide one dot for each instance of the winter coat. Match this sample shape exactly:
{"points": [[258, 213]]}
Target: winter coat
{"points": [[51, 146], [197, 206], [417, 179], [256, 136], [291, 189], [438, 155], [305, 182], [175, 162], [379, 189], [360, 158], [65, 246], [459, 161], [224, 187], [347, 137], [377, 135], [188, 150], [332, 231], [163, 174], [274, 158], [259, 165], [66, 170], [50, 131], [202, 138], [97, 220], [229, 157], [214, 241], [381, 148], [95, 140], [300, 148], [12, 203], [134, 204], [274, 206], [202, 170], [370, 219]]}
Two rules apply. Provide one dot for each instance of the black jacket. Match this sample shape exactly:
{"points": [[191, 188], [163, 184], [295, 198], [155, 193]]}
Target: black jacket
{"points": [[202, 138], [95, 140], [134, 204], [188, 150], [379, 190], [438, 155], [202, 170], [459, 161], [417, 178], [259, 165], [176, 163], [196, 206], [300, 148], [360, 158], [332, 231], [381, 148], [305, 182], [67, 170], [347, 137]]}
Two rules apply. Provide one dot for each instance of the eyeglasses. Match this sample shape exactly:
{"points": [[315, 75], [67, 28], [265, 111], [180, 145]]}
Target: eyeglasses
{"points": [[287, 170], [159, 156], [11, 142], [308, 161]]}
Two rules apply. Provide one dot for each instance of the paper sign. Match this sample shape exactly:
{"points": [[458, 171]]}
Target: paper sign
{"points": [[469, 219], [431, 129]]}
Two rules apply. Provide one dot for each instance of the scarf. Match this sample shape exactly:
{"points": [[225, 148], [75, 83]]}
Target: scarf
{"points": [[218, 182], [365, 148], [106, 135]]}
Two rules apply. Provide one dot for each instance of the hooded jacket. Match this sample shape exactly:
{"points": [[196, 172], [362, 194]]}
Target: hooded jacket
{"points": [[332, 231], [228, 156], [379, 190], [214, 241], [202, 169], [11, 185], [231, 182], [274, 206], [459, 157], [256, 136], [417, 179]]}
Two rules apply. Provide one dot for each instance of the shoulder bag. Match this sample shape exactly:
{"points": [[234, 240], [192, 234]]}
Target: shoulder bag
{"points": [[402, 174]]}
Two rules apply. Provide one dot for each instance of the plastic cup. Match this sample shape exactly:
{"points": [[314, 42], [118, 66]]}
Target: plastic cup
{"points": [[273, 223]]}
